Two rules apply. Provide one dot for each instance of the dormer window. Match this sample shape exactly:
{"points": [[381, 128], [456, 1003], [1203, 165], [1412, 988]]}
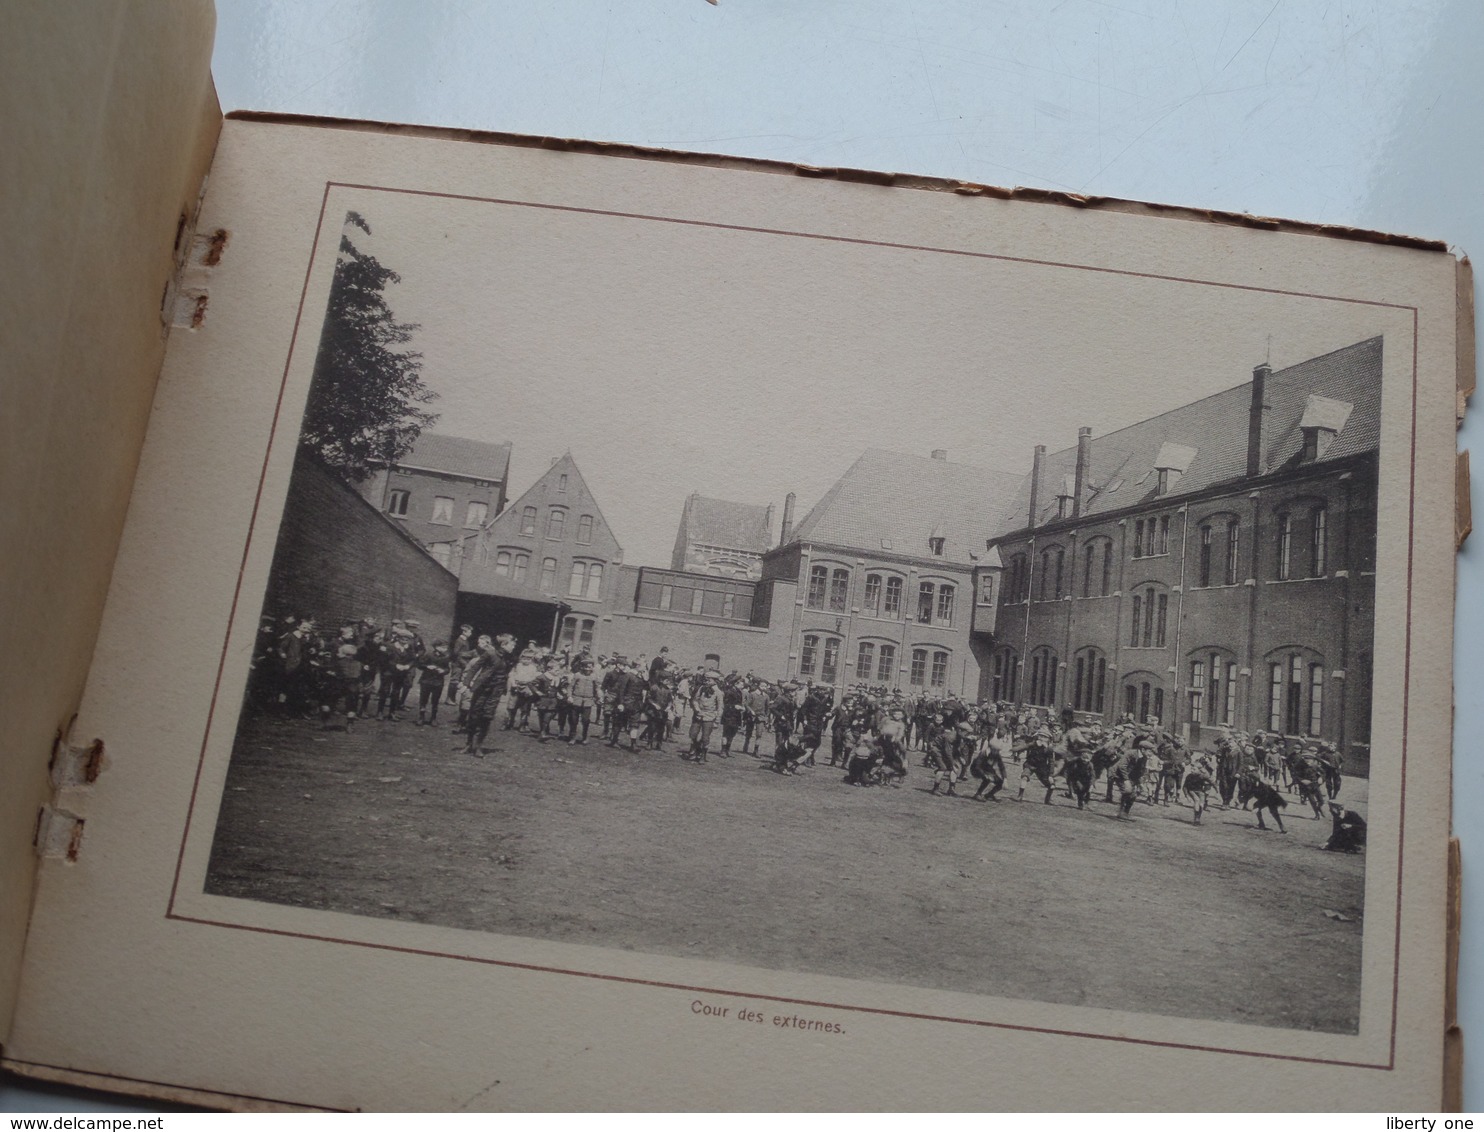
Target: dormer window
{"points": [[1321, 424], [1172, 462], [935, 544]]}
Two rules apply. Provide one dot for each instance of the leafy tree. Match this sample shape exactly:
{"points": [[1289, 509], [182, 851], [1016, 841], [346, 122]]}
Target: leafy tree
{"points": [[365, 397]]}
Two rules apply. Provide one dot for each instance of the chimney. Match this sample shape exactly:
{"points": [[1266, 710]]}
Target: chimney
{"points": [[768, 520], [940, 454], [1037, 464], [1084, 469], [1260, 375], [788, 519]]}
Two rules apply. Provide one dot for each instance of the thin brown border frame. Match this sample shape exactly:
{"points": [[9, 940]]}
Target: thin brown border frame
{"points": [[171, 914]]}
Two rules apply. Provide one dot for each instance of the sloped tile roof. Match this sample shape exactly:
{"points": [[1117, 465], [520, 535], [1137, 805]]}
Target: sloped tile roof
{"points": [[718, 522], [892, 501], [459, 456], [1123, 462]]}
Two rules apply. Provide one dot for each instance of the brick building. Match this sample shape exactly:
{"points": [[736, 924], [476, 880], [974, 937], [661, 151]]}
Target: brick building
{"points": [[339, 559], [545, 568], [1211, 566], [445, 487], [891, 572], [722, 538]]}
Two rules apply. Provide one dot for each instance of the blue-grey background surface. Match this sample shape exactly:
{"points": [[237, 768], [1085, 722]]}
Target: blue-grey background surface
{"points": [[1360, 113]]}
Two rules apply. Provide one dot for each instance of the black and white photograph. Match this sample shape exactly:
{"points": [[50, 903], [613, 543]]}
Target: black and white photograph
{"points": [[847, 607]]}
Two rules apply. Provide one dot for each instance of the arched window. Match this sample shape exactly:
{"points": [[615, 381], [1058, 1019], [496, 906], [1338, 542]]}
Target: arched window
{"points": [[595, 580], [1089, 552], [578, 581], [502, 564], [918, 674], [522, 564], [840, 590], [819, 580], [808, 654], [1043, 677], [585, 529], [891, 605], [1089, 680], [1045, 573], [1204, 572], [1143, 697], [925, 592], [528, 521], [1318, 542], [548, 575], [556, 523], [829, 665], [1285, 547], [871, 603], [396, 502], [1107, 586], [1233, 551], [1061, 562], [865, 660], [886, 664], [1296, 692], [1151, 618], [945, 604], [1017, 583], [939, 676], [1003, 676], [1213, 686]]}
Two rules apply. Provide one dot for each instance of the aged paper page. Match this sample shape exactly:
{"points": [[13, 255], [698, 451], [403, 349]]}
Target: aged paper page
{"points": [[346, 910], [108, 130]]}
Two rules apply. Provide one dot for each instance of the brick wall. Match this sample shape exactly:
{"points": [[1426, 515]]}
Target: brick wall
{"points": [[339, 559]]}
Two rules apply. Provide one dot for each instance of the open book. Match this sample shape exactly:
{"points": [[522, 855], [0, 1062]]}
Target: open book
{"points": [[498, 622]]}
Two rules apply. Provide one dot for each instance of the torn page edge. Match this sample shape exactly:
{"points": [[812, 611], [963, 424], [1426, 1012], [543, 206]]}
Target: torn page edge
{"points": [[863, 176], [1452, 1032], [72, 766], [58, 833]]}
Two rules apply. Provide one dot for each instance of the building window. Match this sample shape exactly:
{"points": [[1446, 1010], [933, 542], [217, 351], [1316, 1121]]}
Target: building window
{"points": [[1043, 677], [1019, 586], [396, 503], [1089, 680], [1138, 538], [919, 668], [840, 591], [892, 605], [1003, 679], [1318, 544], [442, 551], [1087, 556], [829, 666], [819, 580], [667, 596], [577, 631], [1285, 546], [528, 521], [713, 661], [1061, 561], [502, 564], [1045, 573], [1197, 690], [522, 564], [945, 605], [1205, 567], [1161, 621], [562, 483], [925, 603], [1133, 638], [935, 544], [886, 665], [585, 530], [807, 655], [556, 522], [442, 510], [986, 589], [548, 575], [728, 604], [1316, 699], [476, 514], [1149, 617], [1275, 697], [1290, 680], [1229, 714], [939, 676], [865, 660], [1107, 568], [1164, 535], [872, 603], [1233, 551], [697, 599], [578, 581]]}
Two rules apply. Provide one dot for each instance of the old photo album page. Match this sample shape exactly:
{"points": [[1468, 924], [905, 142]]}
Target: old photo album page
{"points": [[607, 630]]}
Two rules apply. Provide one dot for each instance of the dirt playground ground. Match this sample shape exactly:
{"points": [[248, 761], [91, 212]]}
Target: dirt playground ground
{"points": [[729, 861]]}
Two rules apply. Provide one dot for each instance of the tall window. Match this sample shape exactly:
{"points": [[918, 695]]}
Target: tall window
{"points": [[829, 666], [1316, 699], [697, 600], [1061, 561], [667, 597], [1164, 535], [528, 520], [728, 604], [1205, 566], [1318, 543], [1138, 538], [1293, 706], [578, 582], [1003, 676], [396, 503], [1149, 617], [840, 591], [585, 529], [522, 564], [548, 575], [1107, 568], [935, 544], [1197, 690], [886, 665], [476, 514], [502, 564], [1161, 621], [442, 510], [945, 605], [595, 580], [562, 483], [1233, 551], [1296, 695], [872, 603], [1285, 546], [940, 669], [807, 655], [1229, 713], [1043, 677], [865, 660], [1087, 556], [819, 580], [556, 522], [1089, 680], [1275, 697], [1045, 573], [919, 667], [1133, 638], [925, 603], [892, 604]]}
